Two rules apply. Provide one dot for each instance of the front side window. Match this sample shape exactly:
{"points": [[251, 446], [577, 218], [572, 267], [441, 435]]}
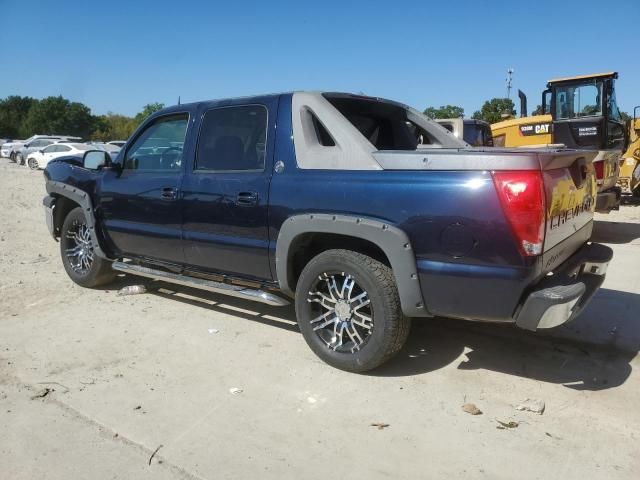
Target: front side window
{"points": [[233, 138], [51, 149], [159, 146], [63, 148], [575, 101]]}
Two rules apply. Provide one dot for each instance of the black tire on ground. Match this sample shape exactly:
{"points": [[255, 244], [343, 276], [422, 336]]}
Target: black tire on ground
{"points": [[85, 268], [19, 159], [12, 157], [345, 342], [32, 163]]}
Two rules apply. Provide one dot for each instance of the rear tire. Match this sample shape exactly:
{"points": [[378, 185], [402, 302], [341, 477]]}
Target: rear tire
{"points": [[81, 263], [348, 310]]}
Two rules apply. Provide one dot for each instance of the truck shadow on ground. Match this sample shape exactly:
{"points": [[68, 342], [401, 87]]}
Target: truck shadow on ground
{"points": [[438, 342], [435, 343], [615, 232]]}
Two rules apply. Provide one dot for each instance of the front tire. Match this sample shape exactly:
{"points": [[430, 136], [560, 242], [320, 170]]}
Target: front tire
{"points": [[81, 263], [19, 159], [348, 310], [33, 163]]}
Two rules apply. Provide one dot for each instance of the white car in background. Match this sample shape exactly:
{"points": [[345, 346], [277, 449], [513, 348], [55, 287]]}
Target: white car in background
{"points": [[40, 158]]}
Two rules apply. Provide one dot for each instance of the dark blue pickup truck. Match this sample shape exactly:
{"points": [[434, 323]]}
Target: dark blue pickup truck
{"points": [[361, 210]]}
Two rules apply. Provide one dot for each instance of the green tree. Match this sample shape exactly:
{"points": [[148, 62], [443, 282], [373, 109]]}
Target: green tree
{"points": [[57, 115], [13, 113], [445, 111], [148, 110], [538, 111], [113, 127], [495, 109], [625, 116]]}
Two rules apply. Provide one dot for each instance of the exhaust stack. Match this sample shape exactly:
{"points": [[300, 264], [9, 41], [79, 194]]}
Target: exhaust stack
{"points": [[523, 103]]}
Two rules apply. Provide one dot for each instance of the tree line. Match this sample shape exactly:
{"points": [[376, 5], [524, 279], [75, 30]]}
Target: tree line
{"points": [[492, 111], [21, 117]]}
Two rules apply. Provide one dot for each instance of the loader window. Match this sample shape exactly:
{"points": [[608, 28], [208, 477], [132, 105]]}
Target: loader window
{"points": [[612, 106], [575, 101]]}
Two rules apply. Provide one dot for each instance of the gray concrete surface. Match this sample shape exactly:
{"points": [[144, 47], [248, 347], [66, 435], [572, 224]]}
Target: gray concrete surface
{"points": [[104, 356]]}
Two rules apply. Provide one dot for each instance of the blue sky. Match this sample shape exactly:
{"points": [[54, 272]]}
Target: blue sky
{"points": [[119, 55]]}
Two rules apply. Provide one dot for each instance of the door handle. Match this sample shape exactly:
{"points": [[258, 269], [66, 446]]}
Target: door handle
{"points": [[169, 193], [247, 198]]}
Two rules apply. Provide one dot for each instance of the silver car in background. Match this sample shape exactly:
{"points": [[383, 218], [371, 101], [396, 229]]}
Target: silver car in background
{"points": [[5, 148], [39, 143]]}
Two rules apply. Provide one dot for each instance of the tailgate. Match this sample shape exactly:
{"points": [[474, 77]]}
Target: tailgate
{"points": [[570, 193]]}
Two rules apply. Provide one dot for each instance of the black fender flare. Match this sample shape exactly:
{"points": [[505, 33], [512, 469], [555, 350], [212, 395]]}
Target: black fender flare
{"points": [[390, 239], [83, 199]]}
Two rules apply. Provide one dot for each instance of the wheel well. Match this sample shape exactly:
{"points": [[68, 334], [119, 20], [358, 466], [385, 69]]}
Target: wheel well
{"points": [[63, 206], [306, 246]]}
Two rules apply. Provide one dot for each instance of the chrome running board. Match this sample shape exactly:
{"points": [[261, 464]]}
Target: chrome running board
{"points": [[202, 284]]}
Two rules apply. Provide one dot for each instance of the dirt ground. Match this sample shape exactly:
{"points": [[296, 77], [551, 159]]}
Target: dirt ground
{"points": [[130, 376]]}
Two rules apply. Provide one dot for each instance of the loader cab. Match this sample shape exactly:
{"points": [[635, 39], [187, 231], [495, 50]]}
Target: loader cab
{"points": [[585, 113]]}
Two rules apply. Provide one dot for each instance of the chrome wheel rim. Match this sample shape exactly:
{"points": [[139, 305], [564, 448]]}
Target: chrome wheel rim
{"points": [[32, 164], [341, 312], [79, 252]]}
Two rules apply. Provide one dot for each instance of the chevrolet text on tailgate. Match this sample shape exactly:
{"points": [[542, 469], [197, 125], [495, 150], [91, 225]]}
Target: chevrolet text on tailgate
{"points": [[360, 210]]}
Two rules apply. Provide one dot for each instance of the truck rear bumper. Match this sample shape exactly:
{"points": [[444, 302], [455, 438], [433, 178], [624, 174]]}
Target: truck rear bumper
{"points": [[560, 297], [608, 200]]}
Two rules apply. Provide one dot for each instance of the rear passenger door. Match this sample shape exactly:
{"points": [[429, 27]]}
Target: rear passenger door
{"points": [[225, 190]]}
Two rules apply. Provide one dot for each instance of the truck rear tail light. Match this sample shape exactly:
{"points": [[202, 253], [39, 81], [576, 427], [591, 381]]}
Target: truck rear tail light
{"points": [[599, 167], [521, 195]]}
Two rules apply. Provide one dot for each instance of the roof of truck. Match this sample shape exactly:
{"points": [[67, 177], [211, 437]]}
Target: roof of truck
{"points": [[186, 106]]}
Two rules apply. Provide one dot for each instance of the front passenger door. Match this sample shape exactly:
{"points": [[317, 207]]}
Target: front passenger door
{"points": [[141, 205]]}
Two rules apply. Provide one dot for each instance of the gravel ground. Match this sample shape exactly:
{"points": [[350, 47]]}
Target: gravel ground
{"points": [[92, 384]]}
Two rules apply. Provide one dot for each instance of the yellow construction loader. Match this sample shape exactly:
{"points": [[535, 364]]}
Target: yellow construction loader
{"points": [[629, 178], [580, 113]]}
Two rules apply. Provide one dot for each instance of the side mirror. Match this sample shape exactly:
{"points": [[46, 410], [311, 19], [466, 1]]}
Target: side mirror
{"points": [[41, 151], [96, 159]]}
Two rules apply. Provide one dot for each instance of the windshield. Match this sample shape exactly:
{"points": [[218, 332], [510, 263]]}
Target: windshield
{"points": [[578, 100]]}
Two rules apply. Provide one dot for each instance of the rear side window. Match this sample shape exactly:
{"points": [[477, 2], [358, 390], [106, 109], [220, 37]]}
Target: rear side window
{"points": [[233, 138]]}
